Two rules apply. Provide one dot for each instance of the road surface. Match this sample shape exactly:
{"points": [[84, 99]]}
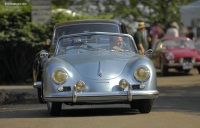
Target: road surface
{"points": [[178, 106]]}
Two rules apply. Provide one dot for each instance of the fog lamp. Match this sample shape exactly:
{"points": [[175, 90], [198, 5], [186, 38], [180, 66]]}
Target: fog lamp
{"points": [[80, 85], [123, 83]]}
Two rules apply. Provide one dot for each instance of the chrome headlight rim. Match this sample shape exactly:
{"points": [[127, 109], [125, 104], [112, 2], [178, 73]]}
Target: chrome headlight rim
{"points": [[55, 74], [137, 73]]}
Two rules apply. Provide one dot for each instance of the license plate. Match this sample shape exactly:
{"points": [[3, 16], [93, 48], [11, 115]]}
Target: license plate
{"points": [[187, 66]]}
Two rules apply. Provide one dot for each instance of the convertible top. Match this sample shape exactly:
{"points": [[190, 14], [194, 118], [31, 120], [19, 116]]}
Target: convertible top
{"points": [[88, 21]]}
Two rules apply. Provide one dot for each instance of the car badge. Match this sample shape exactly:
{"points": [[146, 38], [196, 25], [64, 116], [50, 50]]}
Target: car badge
{"points": [[100, 71], [100, 74]]}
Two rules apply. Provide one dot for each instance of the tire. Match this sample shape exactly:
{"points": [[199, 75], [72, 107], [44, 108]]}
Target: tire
{"points": [[144, 106], [39, 95], [134, 104], [198, 70], [54, 108], [186, 71], [164, 70]]}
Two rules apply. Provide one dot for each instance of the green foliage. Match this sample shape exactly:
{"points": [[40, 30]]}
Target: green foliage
{"points": [[17, 38], [20, 40], [164, 11]]}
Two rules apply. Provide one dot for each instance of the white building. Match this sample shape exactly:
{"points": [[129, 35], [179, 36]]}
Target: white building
{"points": [[190, 16]]}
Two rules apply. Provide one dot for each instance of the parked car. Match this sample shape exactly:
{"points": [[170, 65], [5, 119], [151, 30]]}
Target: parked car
{"points": [[87, 69], [71, 27], [179, 53]]}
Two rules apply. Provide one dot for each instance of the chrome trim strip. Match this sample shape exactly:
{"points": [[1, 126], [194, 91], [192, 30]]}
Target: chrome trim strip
{"points": [[130, 98], [74, 94], [100, 70]]}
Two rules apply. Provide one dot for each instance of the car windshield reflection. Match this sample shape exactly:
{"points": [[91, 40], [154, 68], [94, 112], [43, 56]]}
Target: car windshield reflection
{"points": [[78, 44], [176, 44]]}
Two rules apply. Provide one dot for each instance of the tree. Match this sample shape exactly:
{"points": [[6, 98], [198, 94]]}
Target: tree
{"points": [[20, 40], [129, 11]]}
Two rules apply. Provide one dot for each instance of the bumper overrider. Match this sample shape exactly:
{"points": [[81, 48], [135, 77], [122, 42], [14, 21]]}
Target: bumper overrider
{"points": [[101, 97]]}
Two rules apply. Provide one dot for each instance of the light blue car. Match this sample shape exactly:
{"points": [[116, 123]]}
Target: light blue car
{"points": [[87, 68]]}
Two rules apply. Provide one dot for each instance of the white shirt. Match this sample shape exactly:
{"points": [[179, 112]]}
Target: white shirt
{"points": [[173, 32]]}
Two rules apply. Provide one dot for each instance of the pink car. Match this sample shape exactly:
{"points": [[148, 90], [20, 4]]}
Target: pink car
{"points": [[175, 52]]}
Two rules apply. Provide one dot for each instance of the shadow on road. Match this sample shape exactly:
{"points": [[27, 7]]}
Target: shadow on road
{"points": [[70, 112], [177, 94], [173, 73], [180, 99]]}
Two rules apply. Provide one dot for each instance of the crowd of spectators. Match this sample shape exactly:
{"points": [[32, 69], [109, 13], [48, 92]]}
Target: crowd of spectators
{"points": [[157, 31]]}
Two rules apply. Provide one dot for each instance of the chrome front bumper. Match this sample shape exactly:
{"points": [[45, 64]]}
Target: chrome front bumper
{"points": [[100, 97], [181, 65]]}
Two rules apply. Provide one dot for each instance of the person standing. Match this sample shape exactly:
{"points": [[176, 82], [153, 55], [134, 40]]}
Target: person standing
{"points": [[173, 30], [157, 32], [140, 38], [191, 34], [182, 30]]}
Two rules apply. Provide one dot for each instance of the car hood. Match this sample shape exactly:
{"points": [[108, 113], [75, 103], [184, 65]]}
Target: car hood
{"points": [[99, 65], [183, 52]]}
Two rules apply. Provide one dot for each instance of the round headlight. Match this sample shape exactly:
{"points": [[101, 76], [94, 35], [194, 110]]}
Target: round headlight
{"points": [[142, 73], [123, 83], [80, 85], [59, 76], [169, 56]]}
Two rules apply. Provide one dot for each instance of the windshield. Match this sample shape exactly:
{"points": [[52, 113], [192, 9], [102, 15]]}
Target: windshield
{"points": [[95, 42], [176, 44], [85, 27]]}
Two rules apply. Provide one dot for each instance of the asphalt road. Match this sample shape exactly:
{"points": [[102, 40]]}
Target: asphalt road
{"points": [[178, 106]]}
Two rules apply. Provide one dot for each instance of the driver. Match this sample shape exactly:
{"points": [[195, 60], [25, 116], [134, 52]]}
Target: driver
{"points": [[116, 43]]}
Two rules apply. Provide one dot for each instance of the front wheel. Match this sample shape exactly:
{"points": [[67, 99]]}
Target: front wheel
{"points": [[164, 70], [186, 71], [54, 108], [144, 106]]}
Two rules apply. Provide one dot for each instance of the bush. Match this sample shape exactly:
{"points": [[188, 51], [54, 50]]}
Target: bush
{"points": [[17, 38], [20, 40]]}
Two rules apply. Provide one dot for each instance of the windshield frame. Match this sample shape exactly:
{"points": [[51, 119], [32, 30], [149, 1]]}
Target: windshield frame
{"points": [[65, 27]]}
